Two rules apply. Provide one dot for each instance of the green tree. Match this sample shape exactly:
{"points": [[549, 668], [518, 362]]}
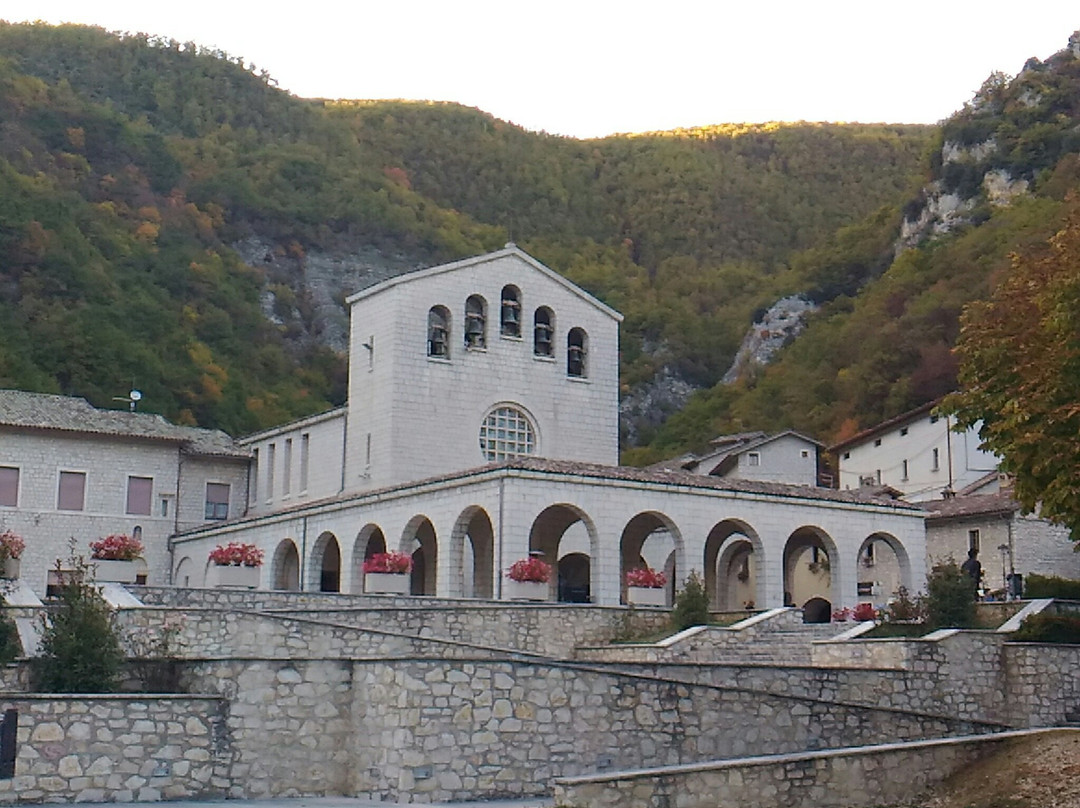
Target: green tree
{"points": [[691, 603], [80, 651], [950, 597], [1020, 375]]}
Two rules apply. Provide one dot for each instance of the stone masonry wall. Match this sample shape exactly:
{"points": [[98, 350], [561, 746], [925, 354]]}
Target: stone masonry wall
{"points": [[443, 730], [847, 778], [117, 748]]}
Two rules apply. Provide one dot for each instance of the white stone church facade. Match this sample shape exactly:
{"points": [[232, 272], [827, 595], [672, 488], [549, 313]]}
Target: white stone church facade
{"points": [[481, 427]]}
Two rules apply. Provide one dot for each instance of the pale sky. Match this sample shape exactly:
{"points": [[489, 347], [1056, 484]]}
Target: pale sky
{"points": [[594, 67]]}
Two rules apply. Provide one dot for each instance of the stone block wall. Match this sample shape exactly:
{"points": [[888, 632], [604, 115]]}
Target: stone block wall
{"points": [[117, 748], [443, 731], [846, 778], [1043, 682], [289, 722]]}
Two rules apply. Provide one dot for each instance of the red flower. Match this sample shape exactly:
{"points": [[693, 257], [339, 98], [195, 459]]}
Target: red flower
{"points": [[864, 611], [11, 545], [237, 554], [117, 547], [530, 569], [388, 563], [646, 578]]}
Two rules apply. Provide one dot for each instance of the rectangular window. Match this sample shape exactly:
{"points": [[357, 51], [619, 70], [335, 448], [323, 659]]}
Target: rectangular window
{"points": [[973, 540], [934, 462], [903, 471], [253, 492], [367, 451], [877, 442], [753, 459], [286, 468], [271, 460], [9, 486], [847, 455], [806, 453], [164, 506], [217, 501], [140, 495], [903, 431], [305, 448], [72, 493]]}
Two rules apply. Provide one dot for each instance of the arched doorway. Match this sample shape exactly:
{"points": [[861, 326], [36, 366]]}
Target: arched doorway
{"points": [[285, 566], [734, 566], [369, 541], [472, 548], [882, 568], [185, 573], [325, 575], [547, 533], [650, 539], [809, 558], [420, 542], [574, 573]]}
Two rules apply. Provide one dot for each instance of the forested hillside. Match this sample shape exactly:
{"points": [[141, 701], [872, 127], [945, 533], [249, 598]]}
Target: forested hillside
{"points": [[134, 173]]}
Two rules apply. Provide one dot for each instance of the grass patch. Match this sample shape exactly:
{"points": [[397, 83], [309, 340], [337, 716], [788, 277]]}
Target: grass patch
{"points": [[884, 630]]}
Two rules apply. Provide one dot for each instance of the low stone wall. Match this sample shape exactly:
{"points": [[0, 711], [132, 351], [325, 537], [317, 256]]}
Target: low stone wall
{"points": [[551, 629], [90, 748], [207, 633], [1044, 688], [842, 778], [479, 730], [777, 637]]}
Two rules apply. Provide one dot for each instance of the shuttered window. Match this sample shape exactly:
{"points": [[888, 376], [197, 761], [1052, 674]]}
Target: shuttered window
{"points": [[139, 495], [72, 494], [9, 486], [217, 501]]}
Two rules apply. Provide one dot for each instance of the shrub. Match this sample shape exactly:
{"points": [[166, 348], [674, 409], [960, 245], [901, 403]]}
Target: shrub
{"points": [[691, 604], [647, 578], [388, 563], [9, 639], [904, 608], [237, 554], [950, 597], [530, 569], [80, 652], [1052, 628], [863, 612], [117, 547], [1051, 586]]}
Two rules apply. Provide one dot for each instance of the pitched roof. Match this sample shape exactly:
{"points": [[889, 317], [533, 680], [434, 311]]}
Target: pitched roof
{"points": [[728, 448], [510, 249], [998, 504], [19, 408], [885, 426]]}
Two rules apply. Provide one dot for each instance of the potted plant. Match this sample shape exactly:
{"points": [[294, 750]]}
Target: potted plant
{"points": [[11, 550], [237, 564], [645, 587], [528, 579], [113, 558], [387, 574]]}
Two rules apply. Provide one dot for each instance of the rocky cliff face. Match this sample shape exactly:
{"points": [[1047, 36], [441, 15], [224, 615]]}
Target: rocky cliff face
{"points": [[781, 323]]}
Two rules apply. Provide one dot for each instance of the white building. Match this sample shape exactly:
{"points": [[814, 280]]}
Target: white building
{"points": [[69, 471], [917, 453], [482, 426], [787, 457]]}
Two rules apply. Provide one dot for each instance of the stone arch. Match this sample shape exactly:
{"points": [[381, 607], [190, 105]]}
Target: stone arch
{"points": [[650, 527], [724, 545], [472, 554], [325, 565], [883, 566], [421, 543], [369, 541], [547, 531], [285, 566], [811, 564], [185, 574]]}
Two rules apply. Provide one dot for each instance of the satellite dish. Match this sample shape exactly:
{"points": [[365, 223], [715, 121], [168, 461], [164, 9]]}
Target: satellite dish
{"points": [[135, 395], [132, 398]]}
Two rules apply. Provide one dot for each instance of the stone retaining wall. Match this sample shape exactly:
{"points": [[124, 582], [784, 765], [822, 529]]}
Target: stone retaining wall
{"points": [[447, 731], [89, 748], [841, 778]]}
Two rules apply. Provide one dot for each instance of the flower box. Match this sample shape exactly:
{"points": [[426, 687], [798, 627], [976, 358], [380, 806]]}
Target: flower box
{"points": [[10, 568], [646, 596], [237, 576], [525, 590], [386, 583], [113, 571]]}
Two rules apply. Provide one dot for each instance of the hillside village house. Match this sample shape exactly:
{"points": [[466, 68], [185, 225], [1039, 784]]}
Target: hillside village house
{"points": [[481, 427], [917, 453]]}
